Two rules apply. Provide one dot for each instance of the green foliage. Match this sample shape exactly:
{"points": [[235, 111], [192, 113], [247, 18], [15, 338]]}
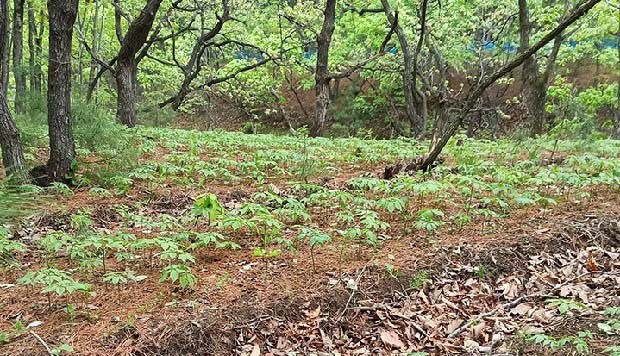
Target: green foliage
{"points": [[60, 188], [418, 280], [178, 273], [579, 341], [428, 220], [118, 278], [612, 351], [81, 221], [54, 281], [207, 205], [215, 239], [315, 238], [8, 247], [62, 349], [579, 111], [565, 305]]}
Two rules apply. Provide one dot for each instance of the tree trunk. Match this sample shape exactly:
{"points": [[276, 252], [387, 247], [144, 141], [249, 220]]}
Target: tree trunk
{"points": [[97, 30], [38, 70], [126, 89], [10, 143], [438, 144], [18, 47], [406, 74], [32, 34], [4, 46], [127, 63], [322, 69], [617, 133], [62, 15], [535, 83], [80, 55], [12, 153]]}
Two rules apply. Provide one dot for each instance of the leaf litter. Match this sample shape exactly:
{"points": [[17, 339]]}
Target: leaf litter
{"points": [[462, 308]]}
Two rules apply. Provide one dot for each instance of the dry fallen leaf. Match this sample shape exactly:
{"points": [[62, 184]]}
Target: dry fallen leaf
{"points": [[471, 346], [255, 350], [313, 314], [521, 309], [391, 338], [478, 331], [454, 324]]}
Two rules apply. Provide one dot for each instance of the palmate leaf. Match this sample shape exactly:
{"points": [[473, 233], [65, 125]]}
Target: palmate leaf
{"points": [[180, 273], [315, 237], [612, 350], [55, 281], [208, 205]]}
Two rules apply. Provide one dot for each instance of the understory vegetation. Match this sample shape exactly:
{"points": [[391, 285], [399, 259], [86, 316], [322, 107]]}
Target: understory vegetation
{"points": [[347, 177], [279, 200]]}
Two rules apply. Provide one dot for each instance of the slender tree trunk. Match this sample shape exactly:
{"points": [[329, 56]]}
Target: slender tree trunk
{"points": [[18, 47], [10, 143], [80, 56], [38, 70], [408, 86], [94, 65], [617, 133], [62, 15], [32, 34], [535, 83], [4, 46], [322, 69]]}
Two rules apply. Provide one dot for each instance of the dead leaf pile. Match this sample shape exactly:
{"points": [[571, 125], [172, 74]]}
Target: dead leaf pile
{"points": [[461, 310]]}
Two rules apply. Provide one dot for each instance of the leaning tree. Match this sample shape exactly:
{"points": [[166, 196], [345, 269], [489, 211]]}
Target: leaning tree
{"points": [[443, 136]]}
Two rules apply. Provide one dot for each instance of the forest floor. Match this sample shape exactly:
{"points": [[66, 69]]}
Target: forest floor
{"points": [[535, 278]]}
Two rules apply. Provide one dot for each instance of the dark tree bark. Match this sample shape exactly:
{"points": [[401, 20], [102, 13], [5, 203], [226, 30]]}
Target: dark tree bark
{"points": [[475, 94], [407, 69], [10, 143], [18, 48], [4, 46], [38, 48], [62, 15], [192, 69], [126, 74], [617, 133], [97, 32], [535, 82], [322, 73], [322, 77], [32, 34], [127, 64], [415, 100], [534, 93]]}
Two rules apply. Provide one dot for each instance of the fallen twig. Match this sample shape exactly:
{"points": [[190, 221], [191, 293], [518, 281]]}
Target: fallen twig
{"points": [[357, 280], [42, 342], [512, 304]]}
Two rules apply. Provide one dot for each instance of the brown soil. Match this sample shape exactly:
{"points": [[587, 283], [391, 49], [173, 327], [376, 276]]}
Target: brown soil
{"points": [[231, 302]]}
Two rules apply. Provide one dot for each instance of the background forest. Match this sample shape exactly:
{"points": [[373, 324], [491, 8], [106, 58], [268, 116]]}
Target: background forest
{"points": [[351, 68]]}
